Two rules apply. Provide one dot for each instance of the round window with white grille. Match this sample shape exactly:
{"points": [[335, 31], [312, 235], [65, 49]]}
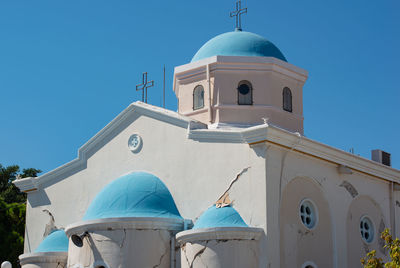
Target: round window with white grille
{"points": [[366, 229], [308, 213]]}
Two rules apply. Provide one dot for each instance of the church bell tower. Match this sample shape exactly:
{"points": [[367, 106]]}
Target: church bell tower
{"points": [[240, 79]]}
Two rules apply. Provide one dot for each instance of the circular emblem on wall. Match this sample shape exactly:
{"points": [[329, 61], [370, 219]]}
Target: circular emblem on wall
{"points": [[135, 143]]}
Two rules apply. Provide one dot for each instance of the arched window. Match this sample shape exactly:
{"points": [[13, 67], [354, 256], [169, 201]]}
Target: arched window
{"points": [[287, 99], [245, 93], [198, 97], [309, 264], [100, 264]]}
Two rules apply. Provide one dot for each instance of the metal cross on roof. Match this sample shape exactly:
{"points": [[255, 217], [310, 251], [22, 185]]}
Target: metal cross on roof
{"points": [[144, 85], [237, 13]]}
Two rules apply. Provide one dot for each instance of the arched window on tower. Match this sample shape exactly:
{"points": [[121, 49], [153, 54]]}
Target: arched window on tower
{"points": [[287, 99], [245, 93], [198, 97]]}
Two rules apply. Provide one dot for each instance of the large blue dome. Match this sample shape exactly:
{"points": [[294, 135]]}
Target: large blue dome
{"points": [[138, 194], [220, 217], [238, 43], [57, 241]]}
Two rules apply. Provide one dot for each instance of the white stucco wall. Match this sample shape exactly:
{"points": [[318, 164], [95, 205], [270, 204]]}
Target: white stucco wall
{"points": [[332, 184], [197, 172]]}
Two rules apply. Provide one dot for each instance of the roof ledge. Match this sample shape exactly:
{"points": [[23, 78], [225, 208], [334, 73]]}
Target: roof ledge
{"points": [[33, 184], [219, 233], [26, 185]]}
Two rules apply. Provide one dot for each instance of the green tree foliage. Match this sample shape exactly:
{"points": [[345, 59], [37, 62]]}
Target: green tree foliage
{"points": [[393, 247], [12, 213]]}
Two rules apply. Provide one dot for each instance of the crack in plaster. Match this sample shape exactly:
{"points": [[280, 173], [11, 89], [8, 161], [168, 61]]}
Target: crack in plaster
{"points": [[166, 251], [254, 252], [305, 233], [120, 244], [204, 264], [161, 258], [184, 250], [123, 239], [198, 254], [350, 188], [59, 264], [50, 226], [223, 200]]}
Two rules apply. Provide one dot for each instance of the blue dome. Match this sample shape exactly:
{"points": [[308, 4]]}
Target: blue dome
{"points": [[138, 194], [238, 43], [57, 241], [219, 217]]}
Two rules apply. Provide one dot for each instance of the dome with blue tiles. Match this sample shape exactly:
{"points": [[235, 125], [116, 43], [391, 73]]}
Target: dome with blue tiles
{"points": [[56, 241], [220, 217], [138, 194], [238, 43]]}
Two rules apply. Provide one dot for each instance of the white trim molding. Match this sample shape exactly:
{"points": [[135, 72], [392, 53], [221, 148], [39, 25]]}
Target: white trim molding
{"points": [[143, 223], [224, 133], [280, 137], [43, 257], [219, 233], [140, 108], [197, 69]]}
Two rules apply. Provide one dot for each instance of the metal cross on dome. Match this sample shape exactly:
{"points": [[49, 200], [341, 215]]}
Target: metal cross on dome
{"points": [[237, 13], [143, 86]]}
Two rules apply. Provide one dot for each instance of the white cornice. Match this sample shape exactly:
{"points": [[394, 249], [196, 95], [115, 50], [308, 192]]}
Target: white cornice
{"points": [[43, 257], [26, 184], [219, 233], [236, 63], [287, 139], [233, 135], [334, 155], [198, 131], [143, 223], [170, 117], [257, 107]]}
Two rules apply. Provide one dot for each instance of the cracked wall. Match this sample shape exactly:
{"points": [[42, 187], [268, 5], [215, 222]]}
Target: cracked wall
{"points": [[45, 265], [220, 254], [123, 248]]}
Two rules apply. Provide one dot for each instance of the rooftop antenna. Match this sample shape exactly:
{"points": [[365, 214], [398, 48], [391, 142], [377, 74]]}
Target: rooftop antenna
{"points": [[237, 13], [144, 86]]}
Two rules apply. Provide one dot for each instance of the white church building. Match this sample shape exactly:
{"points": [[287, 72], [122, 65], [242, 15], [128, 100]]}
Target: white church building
{"points": [[228, 180]]}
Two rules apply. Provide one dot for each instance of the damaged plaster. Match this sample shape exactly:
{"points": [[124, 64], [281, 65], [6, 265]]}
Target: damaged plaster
{"points": [[350, 188], [224, 199], [381, 241], [50, 226]]}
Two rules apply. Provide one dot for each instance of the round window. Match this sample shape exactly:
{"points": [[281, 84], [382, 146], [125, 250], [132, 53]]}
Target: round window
{"points": [[366, 229], [244, 89], [309, 264], [308, 214]]}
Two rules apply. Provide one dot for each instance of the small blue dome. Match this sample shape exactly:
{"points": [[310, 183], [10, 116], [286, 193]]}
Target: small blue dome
{"points": [[138, 194], [220, 217], [56, 241], [238, 43]]}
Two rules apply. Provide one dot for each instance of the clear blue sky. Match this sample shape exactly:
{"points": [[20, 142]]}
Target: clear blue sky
{"points": [[67, 68]]}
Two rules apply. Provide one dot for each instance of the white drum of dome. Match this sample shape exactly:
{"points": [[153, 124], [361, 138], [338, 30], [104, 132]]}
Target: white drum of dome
{"points": [[130, 223], [220, 238]]}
